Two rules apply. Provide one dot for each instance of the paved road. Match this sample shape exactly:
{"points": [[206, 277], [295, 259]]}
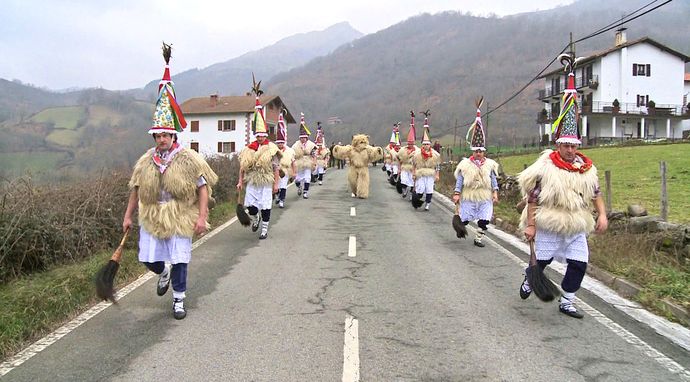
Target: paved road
{"points": [[388, 294]]}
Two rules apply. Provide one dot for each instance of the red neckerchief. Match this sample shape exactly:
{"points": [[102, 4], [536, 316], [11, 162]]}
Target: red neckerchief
{"points": [[391, 147], [397, 149], [255, 145], [475, 162], [427, 154], [563, 165], [410, 150], [163, 164]]}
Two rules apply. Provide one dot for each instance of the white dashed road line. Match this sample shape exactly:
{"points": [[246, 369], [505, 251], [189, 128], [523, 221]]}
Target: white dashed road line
{"points": [[352, 211], [352, 247], [351, 350]]}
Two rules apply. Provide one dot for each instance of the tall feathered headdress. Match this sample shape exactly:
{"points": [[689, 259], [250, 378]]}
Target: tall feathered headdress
{"points": [[426, 139], [565, 128], [167, 117], [259, 122], [475, 134], [412, 135]]}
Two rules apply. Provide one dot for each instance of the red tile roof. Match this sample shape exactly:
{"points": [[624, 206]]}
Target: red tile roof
{"points": [[231, 104]]}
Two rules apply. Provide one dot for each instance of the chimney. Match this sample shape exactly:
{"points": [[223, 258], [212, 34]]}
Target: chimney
{"points": [[621, 38], [214, 100]]}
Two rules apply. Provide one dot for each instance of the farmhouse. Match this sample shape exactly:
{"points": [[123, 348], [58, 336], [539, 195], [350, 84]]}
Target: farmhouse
{"points": [[633, 90], [222, 125]]}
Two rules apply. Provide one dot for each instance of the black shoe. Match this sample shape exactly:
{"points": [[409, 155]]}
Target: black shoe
{"points": [[478, 244], [569, 309], [255, 224], [525, 290], [179, 312], [164, 280]]}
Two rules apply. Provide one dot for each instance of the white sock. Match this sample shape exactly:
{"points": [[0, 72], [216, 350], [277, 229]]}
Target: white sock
{"points": [[570, 296], [178, 295]]}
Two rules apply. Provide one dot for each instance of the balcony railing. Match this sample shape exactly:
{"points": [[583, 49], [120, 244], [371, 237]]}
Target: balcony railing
{"points": [[580, 82], [661, 110]]}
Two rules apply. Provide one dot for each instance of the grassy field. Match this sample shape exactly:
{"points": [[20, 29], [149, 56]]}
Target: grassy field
{"points": [[19, 163], [635, 176], [99, 114], [38, 304], [64, 137], [62, 117]]}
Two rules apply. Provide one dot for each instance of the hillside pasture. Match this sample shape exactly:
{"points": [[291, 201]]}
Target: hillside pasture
{"points": [[61, 117], [99, 115], [19, 163], [64, 137], [635, 176]]}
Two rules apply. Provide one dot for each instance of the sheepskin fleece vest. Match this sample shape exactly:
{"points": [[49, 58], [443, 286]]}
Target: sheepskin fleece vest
{"points": [[303, 155], [178, 216], [258, 164], [476, 183], [565, 200], [286, 159], [426, 167], [405, 159], [322, 156]]}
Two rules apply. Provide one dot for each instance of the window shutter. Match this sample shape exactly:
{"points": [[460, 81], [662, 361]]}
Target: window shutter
{"points": [[220, 147], [649, 70], [634, 69], [220, 128]]}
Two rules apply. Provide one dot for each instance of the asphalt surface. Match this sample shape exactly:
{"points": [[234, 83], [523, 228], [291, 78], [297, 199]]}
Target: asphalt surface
{"points": [[429, 307]]}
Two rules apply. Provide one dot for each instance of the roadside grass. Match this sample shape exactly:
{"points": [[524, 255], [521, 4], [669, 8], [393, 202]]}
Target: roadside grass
{"points": [[635, 179], [63, 117], [635, 176], [37, 304]]}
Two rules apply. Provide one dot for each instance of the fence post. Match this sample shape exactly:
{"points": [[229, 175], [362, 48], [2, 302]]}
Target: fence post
{"points": [[664, 194], [607, 175]]}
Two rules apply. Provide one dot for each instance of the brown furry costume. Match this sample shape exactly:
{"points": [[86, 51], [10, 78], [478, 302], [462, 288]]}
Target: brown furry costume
{"points": [[322, 155], [424, 166], [178, 216], [288, 155], [565, 200], [360, 154], [257, 164], [303, 159], [405, 158], [476, 186]]}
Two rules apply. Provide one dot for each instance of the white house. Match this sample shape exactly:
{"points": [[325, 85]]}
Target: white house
{"points": [[222, 125], [686, 98], [633, 90]]}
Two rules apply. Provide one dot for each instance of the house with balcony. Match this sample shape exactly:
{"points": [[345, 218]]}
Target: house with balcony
{"points": [[634, 90], [222, 125]]}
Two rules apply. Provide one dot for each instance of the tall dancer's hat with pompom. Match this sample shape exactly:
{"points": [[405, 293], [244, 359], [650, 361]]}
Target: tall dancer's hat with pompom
{"points": [[319, 134], [476, 135], [303, 129], [565, 128], [412, 135], [167, 117], [426, 139], [259, 121], [281, 134]]}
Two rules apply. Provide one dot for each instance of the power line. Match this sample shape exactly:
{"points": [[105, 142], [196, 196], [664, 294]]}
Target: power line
{"points": [[623, 20]]}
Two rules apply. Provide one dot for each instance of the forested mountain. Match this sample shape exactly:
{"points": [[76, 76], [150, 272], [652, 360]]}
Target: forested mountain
{"points": [[444, 61], [233, 77]]}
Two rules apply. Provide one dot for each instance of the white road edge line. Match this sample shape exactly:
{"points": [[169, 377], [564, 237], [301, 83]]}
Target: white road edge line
{"points": [[353, 212], [352, 246], [351, 350], [680, 336], [62, 331]]}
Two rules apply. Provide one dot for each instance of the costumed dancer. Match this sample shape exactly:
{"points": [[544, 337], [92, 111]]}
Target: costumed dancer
{"points": [[395, 168], [405, 156], [426, 169], [359, 154], [287, 161], [305, 159], [322, 153], [476, 188], [171, 186], [560, 188], [259, 168], [387, 156]]}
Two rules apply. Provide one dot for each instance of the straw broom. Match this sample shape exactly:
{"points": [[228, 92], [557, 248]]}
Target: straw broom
{"points": [[460, 229], [542, 287], [105, 277]]}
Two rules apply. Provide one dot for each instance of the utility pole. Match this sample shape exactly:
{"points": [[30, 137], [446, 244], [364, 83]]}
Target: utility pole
{"points": [[455, 137], [486, 127]]}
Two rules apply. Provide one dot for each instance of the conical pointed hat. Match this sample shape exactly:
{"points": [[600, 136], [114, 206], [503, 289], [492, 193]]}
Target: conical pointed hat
{"points": [[426, 138], [565, 128], [281, 134], [167, 117], [476, 135], [303, 129], [412, 135]]}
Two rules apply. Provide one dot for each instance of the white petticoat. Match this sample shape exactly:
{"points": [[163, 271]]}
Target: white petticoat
{"points": [[260, 197], [482, 210], [424, 185], [283, 182], [406, 178], [550, 244], [177, 249], [303, 176]]}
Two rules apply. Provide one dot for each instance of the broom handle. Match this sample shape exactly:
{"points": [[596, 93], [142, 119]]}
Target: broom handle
{"points": [[532, 253], [118, 252]]}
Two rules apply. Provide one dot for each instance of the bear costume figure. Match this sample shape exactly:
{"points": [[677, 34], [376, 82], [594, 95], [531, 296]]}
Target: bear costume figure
{"points": [[360, 154]]}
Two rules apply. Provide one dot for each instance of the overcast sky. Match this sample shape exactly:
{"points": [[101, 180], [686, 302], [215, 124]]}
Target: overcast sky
{"points": [[116, 44]]}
